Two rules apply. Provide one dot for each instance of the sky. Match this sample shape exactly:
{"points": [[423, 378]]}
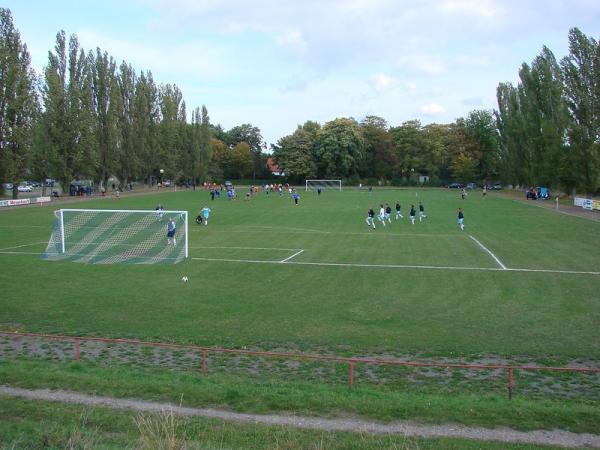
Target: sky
{"points": [[276, 64]]}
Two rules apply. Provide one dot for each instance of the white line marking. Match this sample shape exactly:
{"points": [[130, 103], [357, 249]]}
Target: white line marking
{"points": [[376, 266], [252, 248], [290, 257], [20, 253], [337, 233], [489, 252], [25, 226], [19, 246], [398, 266]]}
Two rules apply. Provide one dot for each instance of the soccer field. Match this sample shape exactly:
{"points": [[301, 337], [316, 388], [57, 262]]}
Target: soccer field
{"points": [[518, 281]]}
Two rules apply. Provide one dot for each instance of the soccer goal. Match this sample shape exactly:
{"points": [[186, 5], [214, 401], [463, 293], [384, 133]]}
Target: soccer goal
{"points": [[101, 236], [324, 184]]}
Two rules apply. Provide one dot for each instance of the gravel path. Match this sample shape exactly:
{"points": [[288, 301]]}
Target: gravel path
{"points": [[554, 437]]}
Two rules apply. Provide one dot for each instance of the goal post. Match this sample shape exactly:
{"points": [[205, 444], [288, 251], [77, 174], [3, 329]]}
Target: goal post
{"points": [[324, 184], [109, 236]]}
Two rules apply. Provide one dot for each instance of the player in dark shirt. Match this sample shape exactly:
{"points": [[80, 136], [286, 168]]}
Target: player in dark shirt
{"points": [[388, 212], [371, 218], [461, 219], [421, 212], [413, 213], [398, 212]]}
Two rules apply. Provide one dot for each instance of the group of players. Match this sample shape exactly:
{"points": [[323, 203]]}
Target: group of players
{"points": [[385, 215]]}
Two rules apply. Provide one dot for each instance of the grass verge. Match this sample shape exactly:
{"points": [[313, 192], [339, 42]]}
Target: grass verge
{"points": [[245, 394]]}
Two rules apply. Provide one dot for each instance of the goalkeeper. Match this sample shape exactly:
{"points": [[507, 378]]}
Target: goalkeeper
{"points": [[205, 212], [171, 229]]}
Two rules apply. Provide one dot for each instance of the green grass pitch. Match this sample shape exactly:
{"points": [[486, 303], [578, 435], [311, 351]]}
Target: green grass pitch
{"points": [[267, 274]]}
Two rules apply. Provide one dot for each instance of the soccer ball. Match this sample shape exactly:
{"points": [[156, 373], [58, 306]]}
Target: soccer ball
{"points": [[184, 279]]}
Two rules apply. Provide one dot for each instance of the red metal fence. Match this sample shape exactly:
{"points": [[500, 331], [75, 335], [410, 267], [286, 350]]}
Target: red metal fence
{"points": [[351, 362]]}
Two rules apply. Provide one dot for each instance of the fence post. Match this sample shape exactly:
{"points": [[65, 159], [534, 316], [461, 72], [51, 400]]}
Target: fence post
{"points": [[350, 374], [77, 351], [204, 361], [510, 382]]}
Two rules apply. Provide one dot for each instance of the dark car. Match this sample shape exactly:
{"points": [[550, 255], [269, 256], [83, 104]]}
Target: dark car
{"points": [[455, 186]]}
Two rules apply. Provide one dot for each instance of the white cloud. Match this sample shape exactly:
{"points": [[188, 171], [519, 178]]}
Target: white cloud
{"points": [[292, 40], [381, 82], [428, 64], [470, 60], [482, 9], [433, 109]]}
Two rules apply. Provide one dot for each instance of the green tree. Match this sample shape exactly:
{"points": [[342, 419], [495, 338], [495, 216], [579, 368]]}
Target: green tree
{"points": [[205, 147], [340, 149], [481, 127], [408, 148], [67, 120], [380, 159], [242, 162], [146, 117], [125, 89], [171, 131], [464, 168], [514, 159], [294, 154], [107, 104], [250, 135], [581, 70], [18, 103]]}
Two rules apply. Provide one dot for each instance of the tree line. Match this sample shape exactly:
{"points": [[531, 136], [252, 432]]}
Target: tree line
{"points": [[87, 117]]}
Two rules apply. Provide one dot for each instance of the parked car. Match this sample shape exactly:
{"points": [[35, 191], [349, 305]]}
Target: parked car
{"points": [[455, 186], [167, 183], [228, 185], [497, 186], [24, 188], [8, 186], [49, 182], [471, 186]]}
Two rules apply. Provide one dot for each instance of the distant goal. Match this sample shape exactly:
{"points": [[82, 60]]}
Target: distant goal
{"points": [[324, 185], [100, 236]]}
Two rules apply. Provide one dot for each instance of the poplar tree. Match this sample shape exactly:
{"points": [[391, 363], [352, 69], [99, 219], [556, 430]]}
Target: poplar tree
{"points": [[18, 103], [581, 70]]}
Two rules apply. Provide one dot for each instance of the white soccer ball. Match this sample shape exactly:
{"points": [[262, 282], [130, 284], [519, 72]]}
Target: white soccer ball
{"points": [[184, 279]]}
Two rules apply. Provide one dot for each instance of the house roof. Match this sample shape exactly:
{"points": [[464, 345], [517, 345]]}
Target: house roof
{"points": [[272, 166]]}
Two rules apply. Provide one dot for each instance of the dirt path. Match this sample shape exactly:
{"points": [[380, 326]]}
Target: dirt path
{"points": [[554, 437]]}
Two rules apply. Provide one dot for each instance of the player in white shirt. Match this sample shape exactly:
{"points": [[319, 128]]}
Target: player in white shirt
{"points": [[381, 216]]}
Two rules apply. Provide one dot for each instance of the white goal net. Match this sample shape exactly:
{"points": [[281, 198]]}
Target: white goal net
{"points": [[324, 185], [100, 236]]}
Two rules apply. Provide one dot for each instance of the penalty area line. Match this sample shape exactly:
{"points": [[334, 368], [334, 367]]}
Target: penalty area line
{"points": [[489, 252], [290, 257], [398, 266]]}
